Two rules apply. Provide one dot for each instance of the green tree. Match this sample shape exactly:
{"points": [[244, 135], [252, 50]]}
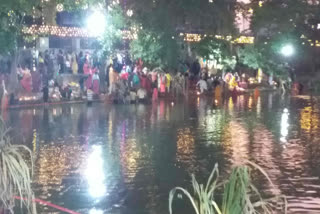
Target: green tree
{"points": [[216, 49], [156, 49], [162, 22], [112, 39], [12, 15], [258, 57], [279, 22]]}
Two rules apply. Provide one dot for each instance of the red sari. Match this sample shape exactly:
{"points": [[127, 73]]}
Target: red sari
{"points": [[87, 71], [163, 84], [26, 81], [143, 81]]}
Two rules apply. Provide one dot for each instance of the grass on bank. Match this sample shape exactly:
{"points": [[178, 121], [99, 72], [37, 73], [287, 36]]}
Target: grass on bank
{"points": [[239, 195], [15, 173]]}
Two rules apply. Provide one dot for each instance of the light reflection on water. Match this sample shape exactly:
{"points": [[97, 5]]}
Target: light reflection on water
{"points": [[125, 159], [284, 125], [95, 173], [95, 211]]}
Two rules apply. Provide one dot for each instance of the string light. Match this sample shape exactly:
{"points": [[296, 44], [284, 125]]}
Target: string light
{"points": [[42, 15], [56, 31], [59, 7], [244, 40], [129, 35], [228, 38], [190, 37], [129, 13], [51, 30]]}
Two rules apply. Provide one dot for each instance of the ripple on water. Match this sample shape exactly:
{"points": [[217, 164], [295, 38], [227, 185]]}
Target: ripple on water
{"points": [[131, 156]]}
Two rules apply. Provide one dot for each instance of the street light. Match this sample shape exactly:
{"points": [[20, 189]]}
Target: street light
{"points": [[96, 23], [287, 50]]}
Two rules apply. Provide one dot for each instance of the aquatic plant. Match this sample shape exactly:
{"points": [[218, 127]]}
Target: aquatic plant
{"points": [[15, 173], [239, 196]]}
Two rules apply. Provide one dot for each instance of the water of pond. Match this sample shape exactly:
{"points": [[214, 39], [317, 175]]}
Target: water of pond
{"points": [[125, 159]]}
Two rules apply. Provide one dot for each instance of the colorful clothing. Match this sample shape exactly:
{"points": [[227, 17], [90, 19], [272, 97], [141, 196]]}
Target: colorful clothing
{"points": [[124, 76], [162, 84], [202, 85], [113, 78], [154, 76], [155, 94], [96, 83], [168, 78], [87, 71], [75, 66], [136, 80], [143, 81], [168, 82], [26, 81]]}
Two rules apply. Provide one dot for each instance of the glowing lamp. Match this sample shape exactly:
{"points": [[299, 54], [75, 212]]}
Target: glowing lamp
{"points": [[96, 23], [287, 50]]}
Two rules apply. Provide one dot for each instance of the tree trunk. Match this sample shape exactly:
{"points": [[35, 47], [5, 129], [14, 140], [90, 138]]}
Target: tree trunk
{"points": [[13, 78], [283, 88]]}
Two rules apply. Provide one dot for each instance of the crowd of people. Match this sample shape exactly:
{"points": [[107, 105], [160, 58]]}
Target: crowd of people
{"points": [[141, 84], [54, 75], [45, 74], [123, 80]]}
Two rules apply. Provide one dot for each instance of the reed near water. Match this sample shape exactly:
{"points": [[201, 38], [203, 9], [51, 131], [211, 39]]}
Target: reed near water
{"points": [[239, 195], [15, 173]]}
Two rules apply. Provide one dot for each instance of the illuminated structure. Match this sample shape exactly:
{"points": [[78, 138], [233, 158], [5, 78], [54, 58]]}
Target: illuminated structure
{"points": [[56, 28], [75, 32]]}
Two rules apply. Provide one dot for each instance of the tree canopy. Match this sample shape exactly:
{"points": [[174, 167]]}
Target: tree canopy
{"points": [[276, 23], [161, 22], [12, 14], [218, 50]]}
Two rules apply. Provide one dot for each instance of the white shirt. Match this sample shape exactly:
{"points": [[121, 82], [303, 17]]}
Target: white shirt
{"points": [[142, 93], [203, 85]]}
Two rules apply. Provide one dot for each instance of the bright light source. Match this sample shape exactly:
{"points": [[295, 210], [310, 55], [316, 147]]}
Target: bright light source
{"points": [[284, 125], [95, 173], [59, 7], [129, 13], [95, 211], [96, 23], [287, 50]]}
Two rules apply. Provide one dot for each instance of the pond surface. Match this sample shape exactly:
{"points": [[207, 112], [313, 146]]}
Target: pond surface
{"points": [[125, 159]]}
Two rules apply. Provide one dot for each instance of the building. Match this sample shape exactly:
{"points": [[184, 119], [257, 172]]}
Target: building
{"points": [[56, 28]]}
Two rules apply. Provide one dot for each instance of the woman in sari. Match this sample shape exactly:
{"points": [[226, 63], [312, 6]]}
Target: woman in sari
{"points": [[88, 72], [162, 84], [74, 65], [26, 81], [95, 80]]}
